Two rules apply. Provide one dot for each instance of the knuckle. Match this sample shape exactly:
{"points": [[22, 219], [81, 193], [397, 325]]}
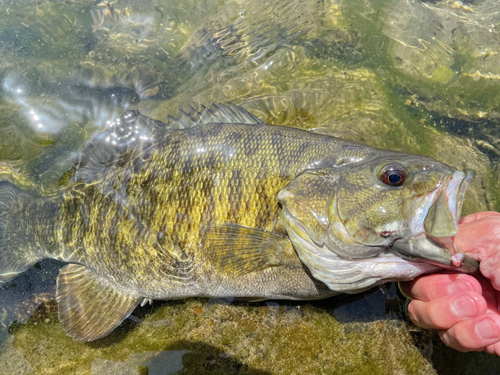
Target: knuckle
{"points": [[435, 316], [450, 340]]}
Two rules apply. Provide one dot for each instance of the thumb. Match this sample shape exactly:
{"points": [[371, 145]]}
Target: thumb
{"points": [[478, 215], [480, 238]]}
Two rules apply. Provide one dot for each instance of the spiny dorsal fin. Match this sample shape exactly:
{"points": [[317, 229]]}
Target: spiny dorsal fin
{"points": [[90, 308], [132, 131], [129, 131], [225, 114], [238, 250]]}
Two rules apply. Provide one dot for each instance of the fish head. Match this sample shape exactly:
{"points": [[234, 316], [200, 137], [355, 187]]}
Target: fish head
{"points": [[397, 211]]}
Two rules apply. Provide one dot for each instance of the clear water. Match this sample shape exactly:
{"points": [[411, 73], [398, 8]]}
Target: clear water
{"points": [[418, 76]]}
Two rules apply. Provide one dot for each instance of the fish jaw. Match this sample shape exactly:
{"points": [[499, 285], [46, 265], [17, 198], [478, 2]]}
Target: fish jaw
{"points": [[433, 223], [355, 275], [350, 275], [423, 248]]}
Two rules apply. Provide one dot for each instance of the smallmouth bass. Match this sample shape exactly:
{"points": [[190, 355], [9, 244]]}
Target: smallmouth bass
{"points": [[218, 203]]}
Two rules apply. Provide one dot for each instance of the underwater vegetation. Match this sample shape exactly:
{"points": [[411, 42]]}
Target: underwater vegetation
{"points": [[411, 76]]}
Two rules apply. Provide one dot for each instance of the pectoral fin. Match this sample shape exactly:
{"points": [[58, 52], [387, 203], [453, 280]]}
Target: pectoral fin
{"points": [[89, 308], [238, 250]]}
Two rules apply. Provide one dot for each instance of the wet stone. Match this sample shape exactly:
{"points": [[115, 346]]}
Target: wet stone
{"points": [[417, 76], [11, 361], [151, 363]]}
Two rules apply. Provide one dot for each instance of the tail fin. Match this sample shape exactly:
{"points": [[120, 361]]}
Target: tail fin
{"points": [[15, 256]]}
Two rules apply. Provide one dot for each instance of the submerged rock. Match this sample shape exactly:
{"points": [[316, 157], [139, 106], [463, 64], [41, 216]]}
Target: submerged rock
{"points": [[11, 361], [364, 71], [151, 363], [237, 339], [443, 55]]}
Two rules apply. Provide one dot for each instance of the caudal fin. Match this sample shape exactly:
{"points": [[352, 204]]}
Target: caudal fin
{"points": [[15, 254]]}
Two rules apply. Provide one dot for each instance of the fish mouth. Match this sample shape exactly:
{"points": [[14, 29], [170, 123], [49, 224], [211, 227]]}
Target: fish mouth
{"points": [[347, 275], [434, 222], [444, 214]]}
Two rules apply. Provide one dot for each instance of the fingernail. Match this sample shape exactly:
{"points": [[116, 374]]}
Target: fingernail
{"points": [[459, 286], [464, 306], [487, 329]]}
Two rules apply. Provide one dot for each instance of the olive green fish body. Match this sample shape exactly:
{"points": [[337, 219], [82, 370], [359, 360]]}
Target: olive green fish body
{"points": [[219, 204], [144, 222]]}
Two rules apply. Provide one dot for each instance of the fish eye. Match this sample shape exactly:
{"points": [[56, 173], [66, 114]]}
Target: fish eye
{"points": [[392, 175]]}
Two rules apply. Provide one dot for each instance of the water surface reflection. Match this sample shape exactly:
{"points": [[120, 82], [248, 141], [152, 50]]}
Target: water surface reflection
{"points": [[419, 76]]}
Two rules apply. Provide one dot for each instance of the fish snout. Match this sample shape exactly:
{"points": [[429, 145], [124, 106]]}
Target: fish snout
{"points": [[432, 239], [444, 214]]}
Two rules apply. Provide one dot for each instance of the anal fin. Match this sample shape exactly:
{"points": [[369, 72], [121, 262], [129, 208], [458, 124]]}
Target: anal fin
{"points": [[238, 250], [90, 308]]}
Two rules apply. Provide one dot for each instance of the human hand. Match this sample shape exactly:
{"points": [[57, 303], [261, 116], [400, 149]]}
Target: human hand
{"points": [[464, 308]]}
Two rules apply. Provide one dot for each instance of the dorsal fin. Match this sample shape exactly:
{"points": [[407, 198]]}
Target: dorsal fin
{"points": [[129, 131], [227, 114], [132, 131]]}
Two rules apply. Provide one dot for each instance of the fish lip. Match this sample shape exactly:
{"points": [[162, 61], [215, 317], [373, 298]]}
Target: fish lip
{"points": [[453, 188], [437, 248], [464, 185], [467, 264]]}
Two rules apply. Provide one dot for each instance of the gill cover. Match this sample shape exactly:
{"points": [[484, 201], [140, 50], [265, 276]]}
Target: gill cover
{"points": [[309, 210]]}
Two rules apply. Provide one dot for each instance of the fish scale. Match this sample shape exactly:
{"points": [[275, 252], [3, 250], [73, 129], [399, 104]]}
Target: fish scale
{"points": [[200, 207]]}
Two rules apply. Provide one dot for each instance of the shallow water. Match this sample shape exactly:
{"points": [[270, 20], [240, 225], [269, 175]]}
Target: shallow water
{"points": [[418, 76]]}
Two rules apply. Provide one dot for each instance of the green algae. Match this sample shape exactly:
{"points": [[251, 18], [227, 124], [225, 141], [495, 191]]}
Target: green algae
{"points": [[339, 74], [451, 70], [314, 342], [243, 338]]}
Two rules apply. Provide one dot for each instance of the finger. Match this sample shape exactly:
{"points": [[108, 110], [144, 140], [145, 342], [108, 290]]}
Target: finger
{"points": [[489, 293], [493, 349], [445, 312], [473, 334], [490, 268], [479, 238], [430, 287], [478, 215]]}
